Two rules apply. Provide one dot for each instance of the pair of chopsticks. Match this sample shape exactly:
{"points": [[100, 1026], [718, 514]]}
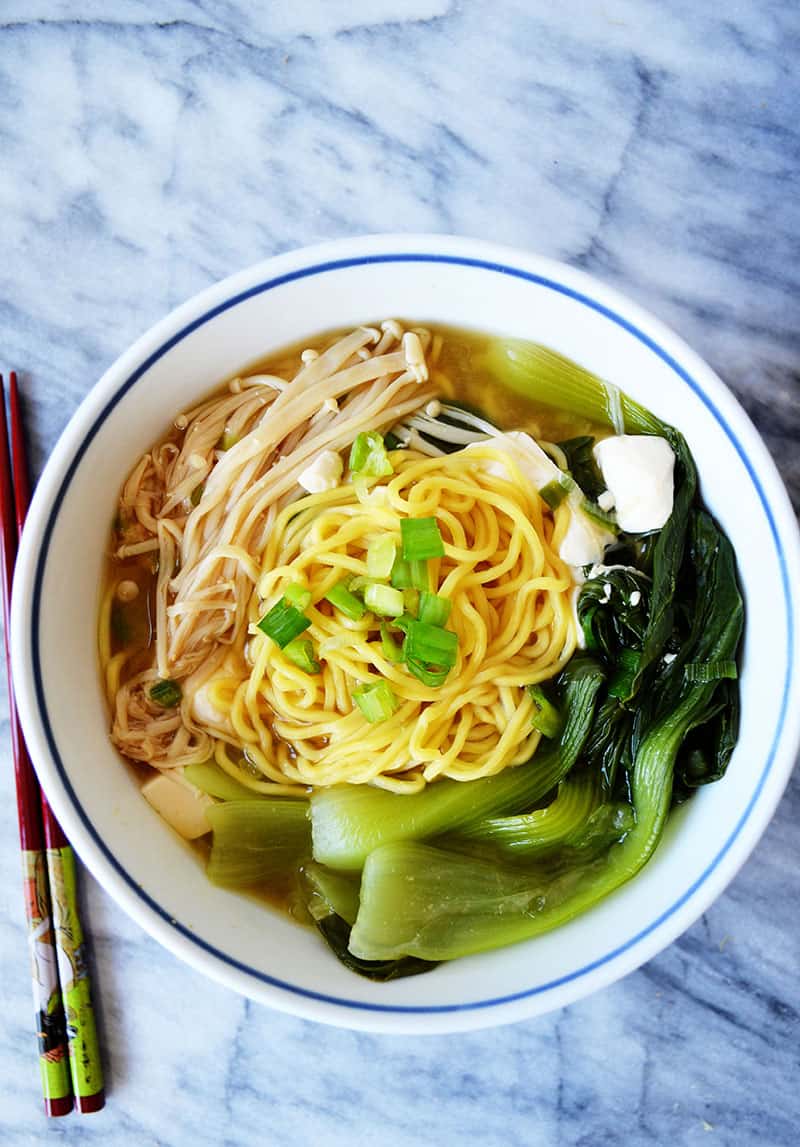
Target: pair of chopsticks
{"points": [[69, 1057]]}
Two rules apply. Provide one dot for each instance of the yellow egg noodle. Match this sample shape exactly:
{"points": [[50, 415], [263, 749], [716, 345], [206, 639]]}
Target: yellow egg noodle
{"points": [[220, 508]]}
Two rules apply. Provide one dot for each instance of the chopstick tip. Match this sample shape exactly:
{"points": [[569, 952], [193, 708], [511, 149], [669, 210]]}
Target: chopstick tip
{"points": [[85, 1104], [55, 1106]]}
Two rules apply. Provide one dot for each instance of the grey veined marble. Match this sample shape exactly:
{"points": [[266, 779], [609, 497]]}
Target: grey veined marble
{"points": [[147, 149]]}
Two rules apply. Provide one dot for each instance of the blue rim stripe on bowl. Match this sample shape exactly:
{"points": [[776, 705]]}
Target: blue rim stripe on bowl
{"points": [[271, 284]]}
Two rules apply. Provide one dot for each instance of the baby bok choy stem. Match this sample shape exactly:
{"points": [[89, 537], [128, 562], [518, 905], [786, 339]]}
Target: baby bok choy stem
{"points": [[547, 377], [578, 820], [257, 840]]}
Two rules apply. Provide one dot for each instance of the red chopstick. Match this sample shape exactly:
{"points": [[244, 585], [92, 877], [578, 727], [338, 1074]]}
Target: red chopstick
{"points": [[69, 1058], [50, 1022]]}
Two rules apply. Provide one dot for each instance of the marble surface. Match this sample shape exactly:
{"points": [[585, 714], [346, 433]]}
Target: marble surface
{"points": [[147, 149]]}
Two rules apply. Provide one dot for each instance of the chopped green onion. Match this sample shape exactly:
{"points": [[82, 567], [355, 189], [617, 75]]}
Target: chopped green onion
{"points": [[380, 557], [431, 645], [375, 700], [345, 601], [384, 600], [411, 601], [401, 573], [420, 578], [546, 717], [602, 517], [432, 675], [410, 575], [433, 609], [368, 457], [391, 441], [404, 622], [301, 653], [197, 493], [283, 623], [389, 647], [703, 672], [298, 596], [555, 492], [166, 693], [421, 539]]}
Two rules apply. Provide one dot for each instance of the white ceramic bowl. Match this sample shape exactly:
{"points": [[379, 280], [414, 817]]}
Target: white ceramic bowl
{"points": [[157, 879]]}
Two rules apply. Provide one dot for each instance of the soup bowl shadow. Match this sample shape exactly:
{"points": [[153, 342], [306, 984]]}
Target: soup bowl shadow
{"points": [[155, 876]]}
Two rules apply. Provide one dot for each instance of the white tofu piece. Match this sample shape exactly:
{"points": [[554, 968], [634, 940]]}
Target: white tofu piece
{"points": [[638, 470], [585, 541], [532, 461], [324, 473], [179, 803]]}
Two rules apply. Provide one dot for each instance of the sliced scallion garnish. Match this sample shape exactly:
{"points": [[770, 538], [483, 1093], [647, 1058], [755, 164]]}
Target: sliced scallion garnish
{"points": [[554, 493], [368, 457], [410, 575], [301, 653], [404, 622], [546, 717], [375, 700], [166, 693], [421, 539], [430, 644], [420, 576], [298, 595], [345, 601], [384, 600], [434, 676], [411, 601], [401, 573], [433, 610], [381, 554], [283, 622], [606, 519], [389, 647]]}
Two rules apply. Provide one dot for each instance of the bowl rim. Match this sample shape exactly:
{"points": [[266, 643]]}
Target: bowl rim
{"points": [[53, 487]]}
